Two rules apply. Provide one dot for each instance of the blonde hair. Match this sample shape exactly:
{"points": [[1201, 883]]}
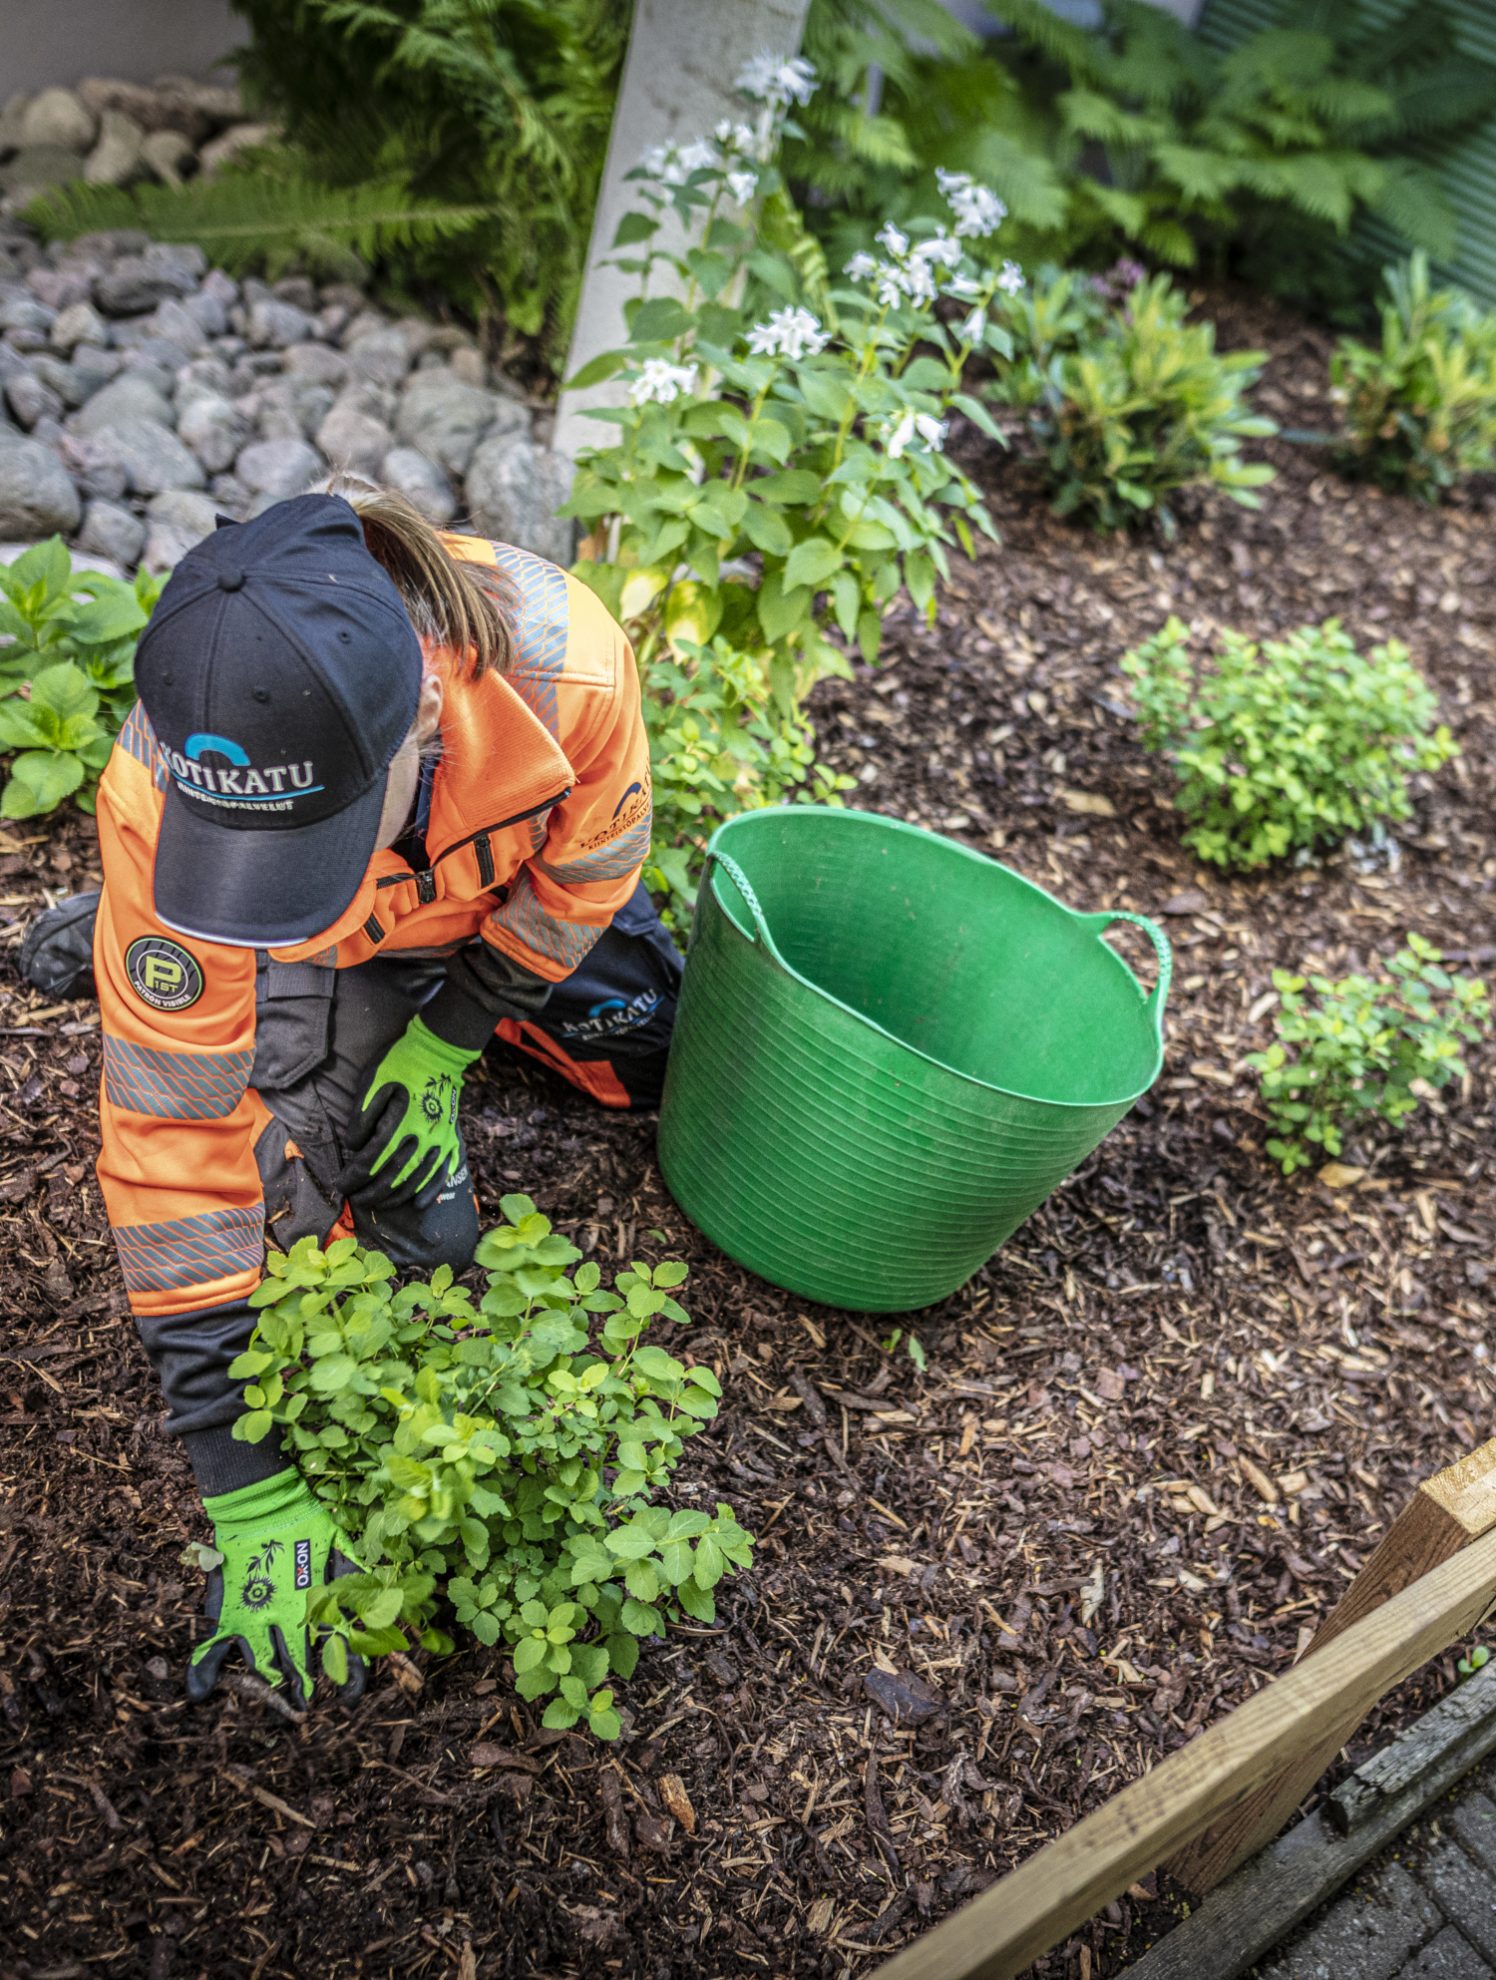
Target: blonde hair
{"points": [[463, 606]]}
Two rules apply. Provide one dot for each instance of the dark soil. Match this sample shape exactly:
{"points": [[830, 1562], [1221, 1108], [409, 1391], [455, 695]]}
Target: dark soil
{"points": [[1155, 1437]]}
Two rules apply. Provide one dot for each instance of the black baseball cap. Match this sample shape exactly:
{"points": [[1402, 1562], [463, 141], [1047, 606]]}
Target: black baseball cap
{"points": [[281, 673]]}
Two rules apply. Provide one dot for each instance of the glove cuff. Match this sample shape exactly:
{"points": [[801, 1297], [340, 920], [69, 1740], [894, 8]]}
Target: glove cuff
{"points": [[222, 1463], [439, 1053], [266, 1498]]}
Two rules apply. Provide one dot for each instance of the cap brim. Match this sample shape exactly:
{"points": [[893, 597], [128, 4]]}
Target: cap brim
{"points": [[267, 889]]}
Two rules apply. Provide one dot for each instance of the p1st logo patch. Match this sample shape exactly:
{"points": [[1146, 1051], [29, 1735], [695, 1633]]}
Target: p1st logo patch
{"points": [[303, 1563], [163, 974]]}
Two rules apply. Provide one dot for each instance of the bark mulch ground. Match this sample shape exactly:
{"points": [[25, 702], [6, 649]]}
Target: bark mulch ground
{"points": [[1155, 1437]]}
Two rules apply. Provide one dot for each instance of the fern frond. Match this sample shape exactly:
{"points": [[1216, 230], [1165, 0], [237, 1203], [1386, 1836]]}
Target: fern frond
{"points": [[1412, 199]]}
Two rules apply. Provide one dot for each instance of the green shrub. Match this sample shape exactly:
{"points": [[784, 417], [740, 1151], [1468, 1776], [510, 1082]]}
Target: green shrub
{"points": [[67, 653], [1129, 402], [1138, 136], [1419, 410], [779, 476], [496, 1466], [1362, 1048], [1288, 745]]}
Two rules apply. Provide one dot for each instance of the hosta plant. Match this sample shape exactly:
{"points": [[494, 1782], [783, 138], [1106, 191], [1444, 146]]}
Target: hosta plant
{"points": [[1363, 1048], [778, 476], [1130, 403], [1418, 410], [67, 652], [497, 1462], [1288, 745]]}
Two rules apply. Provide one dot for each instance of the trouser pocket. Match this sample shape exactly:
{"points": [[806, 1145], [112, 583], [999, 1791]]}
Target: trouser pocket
{"points": [[293, 1022]]}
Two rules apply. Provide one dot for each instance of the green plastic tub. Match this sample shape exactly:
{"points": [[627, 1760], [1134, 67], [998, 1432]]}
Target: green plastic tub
{"points": [[889, 1050]]}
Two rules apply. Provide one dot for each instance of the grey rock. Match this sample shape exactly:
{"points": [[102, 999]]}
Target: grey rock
{"points": [[446, 419], [223, 288], [152, 456], [177, 323], [97, 469], [467, 364], [209, 312], [22, 311], [353, 439], [363, 395], [173, 104], [138, 282], [205, 377], [143, 348], [126, 398], [278, 468], [116, 159], [290, 408], [276, 324], [514, 489], [112, 532], [297, 289], [175, 521], [221, 151], [332, 320], [79, 323], [230, 494], [169, 155], [60, 287], [316, 363], [220, 103], [95, 366], [29, 399], [141, 364], [421, 482], [215, 428], [380, 355], [63, 378], [37, 496], [57, 116]]}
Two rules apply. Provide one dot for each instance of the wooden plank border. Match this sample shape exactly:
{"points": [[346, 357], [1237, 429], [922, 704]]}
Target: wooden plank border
{"points": [[1024, 1914]]}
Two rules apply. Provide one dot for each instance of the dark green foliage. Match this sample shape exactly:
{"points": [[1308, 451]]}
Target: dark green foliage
{"points": [[1419, 408], [1141, 136], [270, 217], [1129, 401]]}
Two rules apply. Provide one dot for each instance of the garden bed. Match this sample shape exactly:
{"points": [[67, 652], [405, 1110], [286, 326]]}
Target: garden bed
{"points": [[1154, 1438]]}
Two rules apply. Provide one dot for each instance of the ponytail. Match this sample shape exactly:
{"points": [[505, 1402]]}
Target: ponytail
{"points": [[459, 605]]}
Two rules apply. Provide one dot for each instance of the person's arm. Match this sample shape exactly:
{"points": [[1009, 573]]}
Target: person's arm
{"points": [[178, 1121]]}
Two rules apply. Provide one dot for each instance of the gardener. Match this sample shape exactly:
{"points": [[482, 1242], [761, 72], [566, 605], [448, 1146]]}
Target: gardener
{"points": [[384, 794]]}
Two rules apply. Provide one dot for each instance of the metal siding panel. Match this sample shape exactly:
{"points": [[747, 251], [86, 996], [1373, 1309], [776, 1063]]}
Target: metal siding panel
{"points": [[1466, 165]]}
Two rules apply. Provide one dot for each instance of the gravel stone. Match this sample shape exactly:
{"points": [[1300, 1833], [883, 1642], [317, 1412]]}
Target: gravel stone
{"points": [[116, 159], [140, 281], [152, 456], [277, 324], [290, 408], [79, 323], [215, 428], [29, 399], [316, 363], [513, 491], [177, 323], [57, 116], [221, 151], [20, 311], [95, 366], [209, 312], [175, 521], [353, 439], [129, 397], [61, 287], [205, 377], [110, 531], [37, 496], [446, 419], [380, 355], [169, 154], [63, 378], [278, 468], [421, 482]]}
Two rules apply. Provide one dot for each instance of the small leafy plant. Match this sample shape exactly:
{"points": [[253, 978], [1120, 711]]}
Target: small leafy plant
{"points": [[67, 652], [1129, 402], [779, 475], [497, 1466], [1419, 410], [1285, 746], [1363, 1048]]}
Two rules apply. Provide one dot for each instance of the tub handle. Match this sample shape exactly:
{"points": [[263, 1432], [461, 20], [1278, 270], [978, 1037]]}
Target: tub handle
{"points": [[740, 880], [1154, 1000]]}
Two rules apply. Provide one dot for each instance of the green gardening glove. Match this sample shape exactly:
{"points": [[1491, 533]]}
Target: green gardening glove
{"points": [[278, 1542], [406, 1127]]}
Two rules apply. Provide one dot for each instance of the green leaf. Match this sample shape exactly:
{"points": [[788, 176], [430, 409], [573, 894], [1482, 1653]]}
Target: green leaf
{"points": [[811, 562], [640, 1619], [529, 1653]]}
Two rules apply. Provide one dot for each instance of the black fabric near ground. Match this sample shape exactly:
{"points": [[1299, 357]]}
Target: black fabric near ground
{"points": [[1155, 1437]]}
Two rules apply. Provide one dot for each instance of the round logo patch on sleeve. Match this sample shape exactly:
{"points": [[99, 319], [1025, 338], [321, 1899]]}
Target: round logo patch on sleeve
{"points": [[163, 974]]}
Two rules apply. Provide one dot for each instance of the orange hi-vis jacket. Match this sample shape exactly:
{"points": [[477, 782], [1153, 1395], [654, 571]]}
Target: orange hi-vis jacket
{"points": [[539, 824]]}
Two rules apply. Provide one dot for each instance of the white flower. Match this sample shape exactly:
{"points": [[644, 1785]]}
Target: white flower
{"points": [[931, 430], [773, 80], [917, 280], [700, 156], [890, 285], [735, 137], [1010, 280], [861, 266], [672, 164], [964, 286], [978, 209], [901, 435], [791, 333], [941, 250], [892, 241], [742, 186], [974, 326], [911, 426], [661, 381]]}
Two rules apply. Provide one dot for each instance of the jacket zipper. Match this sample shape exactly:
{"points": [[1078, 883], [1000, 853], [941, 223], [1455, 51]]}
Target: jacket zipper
{"points": [[425, 877]]}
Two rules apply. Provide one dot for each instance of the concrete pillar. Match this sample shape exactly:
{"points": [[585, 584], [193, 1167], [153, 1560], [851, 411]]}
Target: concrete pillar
{"points": [[677, 84]]}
